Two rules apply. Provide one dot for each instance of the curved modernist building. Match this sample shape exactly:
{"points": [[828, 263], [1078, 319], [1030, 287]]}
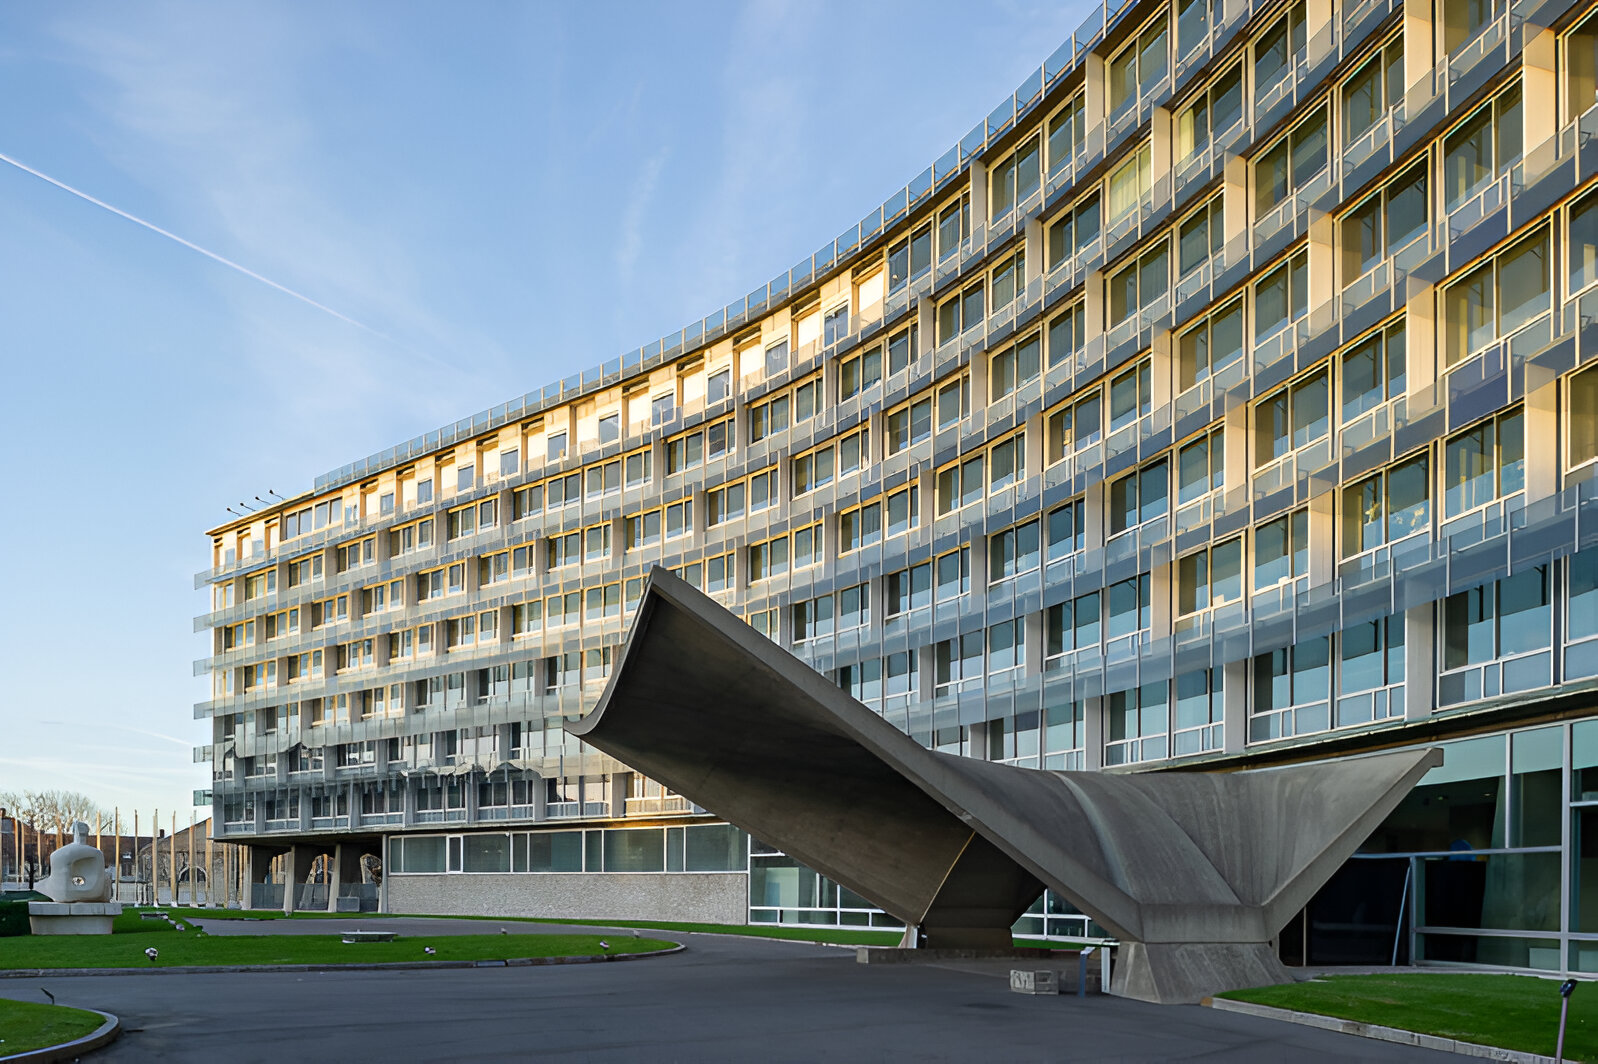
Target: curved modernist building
{"points": [[1226, 398]]}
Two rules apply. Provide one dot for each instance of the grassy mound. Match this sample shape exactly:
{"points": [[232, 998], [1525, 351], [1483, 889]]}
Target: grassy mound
{"points": [[1510, 1011], [26, 1026]]}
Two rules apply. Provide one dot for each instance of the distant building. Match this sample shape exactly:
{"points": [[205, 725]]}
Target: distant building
{"points": [[1226, 398]]}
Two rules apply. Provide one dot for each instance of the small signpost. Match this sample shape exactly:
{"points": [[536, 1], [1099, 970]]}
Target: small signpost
{"points": [[1566, 988], [1024, 981]]}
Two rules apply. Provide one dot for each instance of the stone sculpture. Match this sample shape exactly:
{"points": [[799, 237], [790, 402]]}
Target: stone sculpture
{"points": [[79, 887]]}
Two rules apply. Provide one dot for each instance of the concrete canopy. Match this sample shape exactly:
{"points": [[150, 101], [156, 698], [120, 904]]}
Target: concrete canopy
{"points": [[1194, 872]]}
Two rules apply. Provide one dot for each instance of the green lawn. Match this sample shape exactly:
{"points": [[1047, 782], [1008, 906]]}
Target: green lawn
{"points": [[795, 932], [25, 1025], [1511, 1011], [125, 947]]}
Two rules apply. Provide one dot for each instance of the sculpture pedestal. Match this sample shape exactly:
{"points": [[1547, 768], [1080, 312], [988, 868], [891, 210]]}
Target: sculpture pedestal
{"points": [[73, 917]]}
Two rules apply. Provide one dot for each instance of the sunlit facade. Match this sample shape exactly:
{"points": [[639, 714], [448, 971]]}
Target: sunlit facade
{"points": [[1227, 397]]}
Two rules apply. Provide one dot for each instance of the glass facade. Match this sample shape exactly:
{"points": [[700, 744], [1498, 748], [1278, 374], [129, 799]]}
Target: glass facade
{"points": [[1110, 442]]}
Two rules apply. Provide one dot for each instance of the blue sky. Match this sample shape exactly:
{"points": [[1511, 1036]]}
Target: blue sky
{"points": [[490, 197]]}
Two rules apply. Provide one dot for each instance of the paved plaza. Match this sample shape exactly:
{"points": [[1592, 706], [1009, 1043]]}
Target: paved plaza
{"points": [[724, 999]]}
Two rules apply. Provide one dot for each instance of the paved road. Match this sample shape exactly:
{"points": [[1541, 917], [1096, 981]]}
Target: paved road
{"points": [[724, 999]]}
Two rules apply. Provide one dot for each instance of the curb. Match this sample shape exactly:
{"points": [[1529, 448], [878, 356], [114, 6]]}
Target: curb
{"points": [[103, 1035], [389, 966], [1377, 1032]]}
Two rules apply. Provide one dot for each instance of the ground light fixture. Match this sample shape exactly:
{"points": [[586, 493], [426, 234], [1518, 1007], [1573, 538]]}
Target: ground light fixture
{"points": [[1567, 988]]}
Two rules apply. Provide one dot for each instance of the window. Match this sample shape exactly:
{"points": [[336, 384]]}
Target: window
{"points": [[1007, 646], [596, 543], [1498, 619], [1373, 371], [527, 617], [466, 474], [768, 559], [1066, 334], [813, 470], [1066, 130], [1462, 19], [1384, 222], [1013, 552], [1139, 283], [1138, 66], [1215, 110], [1484, 463], [642, 530], [1581, 68], [1128, 606], [491, 569], [807, 546], [662, 408], [603, 479], [1200, 696], [1290, 164], [954, 225], [412, 537], [1073, 625], [1386, 507], [1276, 49], [960, 484], [854, 607], [863, 681], [908, 589], [1210, 577], [953, 574], [1375, 87], [1073, 231], [902, 670], [859, 373], [1583, 237], [719, 573], [1008, 281], [762, 490], [1583, 419], [1200, 467], [902, 349], [602, 603], [958, 661], [904, 510], [1281, 297], [1067, 529], [909, 424], [1292, 417], [1497, 298], [835, 325], [954, 401], [1074, 426], [1199, 236], [1370, 655], [1292, 688], [724, 504], [1007, 462], [854, 452], [1014, 179], [636, 469], [1016, 365], [1482, 148], [562, 609], [562, 550], [767, 418], [860, 527], [1131, 396], [1281, 550], [910, 258], [1210, 346], [685, 453], [1128, 183], [526, 502], [1139, 496], [679, 519], [959, 313]]}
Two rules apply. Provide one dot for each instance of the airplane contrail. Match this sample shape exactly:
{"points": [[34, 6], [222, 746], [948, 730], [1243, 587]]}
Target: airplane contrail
{"points": [[229, 263]]}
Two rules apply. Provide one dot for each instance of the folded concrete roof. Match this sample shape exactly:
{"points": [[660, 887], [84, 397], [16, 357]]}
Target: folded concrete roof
{"points": [[1194, 872]]}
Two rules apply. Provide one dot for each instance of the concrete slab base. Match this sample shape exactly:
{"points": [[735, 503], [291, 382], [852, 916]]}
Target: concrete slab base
{"points": [[1179, 973], [72, 918], [895, 955]]}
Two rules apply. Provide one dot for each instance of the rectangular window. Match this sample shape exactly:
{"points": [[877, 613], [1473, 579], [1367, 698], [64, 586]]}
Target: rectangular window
{"points": [[1281, 550], [954, 226], [1374, 371], [1131, 396], [1013, 552], [1014, 179], [860, 527], [1139, 283], [1373, 89], [904, 510], [1292, 689], [1067, 529], [1583, 417], [1199, 236], [1073, 427], [1007, 462], [902, 349], [1016, 365], [1482, 148], [859, 373], [1498, 619], [1497, 298], [835, 325], [1066, 130], [1200, 467], [909, 589], [1128, 607], [1215, 111], [1007, 282], [1385, 222], [1074, 231], [662, 408], [1139, 66], [1288, 166], [909, 259], [1386, 507], [1128, 184], [908, 425], [1210, 577], [1484, 463], [1066, 335], [768, 559], [1278, 47], [1139, 496], [1281, 297], [1292, 417], [953, 574], [776, 358], [958, 661], [960, 484]]}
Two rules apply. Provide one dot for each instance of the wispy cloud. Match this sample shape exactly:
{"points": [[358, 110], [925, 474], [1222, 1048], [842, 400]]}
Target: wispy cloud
{"points": [[637, 214], [229, 263]]}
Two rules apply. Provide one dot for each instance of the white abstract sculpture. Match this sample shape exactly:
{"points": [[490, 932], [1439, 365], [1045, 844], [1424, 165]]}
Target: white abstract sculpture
{"points": [[80, 891]]}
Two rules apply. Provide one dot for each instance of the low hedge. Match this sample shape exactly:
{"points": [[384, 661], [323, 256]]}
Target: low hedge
{"points": [[14, 912]]}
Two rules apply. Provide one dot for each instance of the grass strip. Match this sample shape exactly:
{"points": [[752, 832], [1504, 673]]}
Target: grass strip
{"points": [[188, 948], [26, 1025], [1509, 1011]]}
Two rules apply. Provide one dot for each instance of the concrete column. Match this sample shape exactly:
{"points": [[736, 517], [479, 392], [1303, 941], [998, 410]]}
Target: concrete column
{"points": [[297, 869], [1162, 369], [1160, 144], [1234, 706], [1035, 243], [979, 193], [1421, 361], [620, 784], [1420, 41], [1093, 504], [1092, 307], [1095, 97], [1322, 538], [1539, 106], [1237, 212], [1542, 442], [346, 869], [1323, 269], [1420, 660], [1161, 593], [1093, 734]]}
